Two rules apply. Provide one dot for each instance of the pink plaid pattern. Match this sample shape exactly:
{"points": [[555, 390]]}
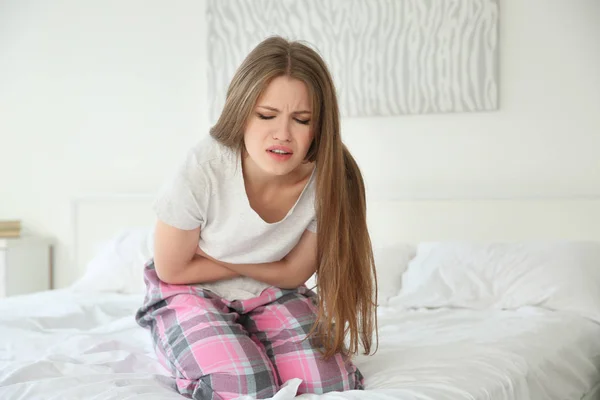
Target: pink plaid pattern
{"points": [[220, 349]]}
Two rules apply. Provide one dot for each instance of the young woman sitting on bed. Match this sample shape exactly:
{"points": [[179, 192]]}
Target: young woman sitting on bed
{"points": [[270, 197]]}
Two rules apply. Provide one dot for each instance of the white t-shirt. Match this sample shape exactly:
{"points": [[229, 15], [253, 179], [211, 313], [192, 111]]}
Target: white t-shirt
{"points": [[208, 191]]}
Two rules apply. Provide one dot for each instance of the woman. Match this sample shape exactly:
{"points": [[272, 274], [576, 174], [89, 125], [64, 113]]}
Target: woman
{"points": [[268, 199]]}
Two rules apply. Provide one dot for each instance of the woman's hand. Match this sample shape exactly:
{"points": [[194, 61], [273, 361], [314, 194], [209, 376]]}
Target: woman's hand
{"points": [[201, 253]]}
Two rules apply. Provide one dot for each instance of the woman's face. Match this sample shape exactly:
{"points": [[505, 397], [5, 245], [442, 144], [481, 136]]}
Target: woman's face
{"points": [[278, 133]]}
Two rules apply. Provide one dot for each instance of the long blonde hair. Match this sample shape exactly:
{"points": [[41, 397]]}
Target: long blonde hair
{"points": [[346, 277]]}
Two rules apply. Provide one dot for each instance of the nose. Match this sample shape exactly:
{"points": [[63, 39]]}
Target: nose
{"points": [[282, 132]]}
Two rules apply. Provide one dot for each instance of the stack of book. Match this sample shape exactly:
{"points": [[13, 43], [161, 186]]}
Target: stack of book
{"points": [[10, 229]]}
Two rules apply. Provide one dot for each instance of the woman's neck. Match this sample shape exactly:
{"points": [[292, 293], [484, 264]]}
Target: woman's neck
{"points": [[257, 179]]}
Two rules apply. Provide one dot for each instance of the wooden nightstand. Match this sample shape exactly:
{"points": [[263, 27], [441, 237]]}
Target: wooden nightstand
{"points": [[25, 265]]}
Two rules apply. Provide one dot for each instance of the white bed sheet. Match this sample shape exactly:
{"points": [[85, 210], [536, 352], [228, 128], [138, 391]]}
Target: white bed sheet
{"points": [[69, 345]]}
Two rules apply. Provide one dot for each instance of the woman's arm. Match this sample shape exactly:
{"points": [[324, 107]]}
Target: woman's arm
{"points": [[176, 261], [201, 270], [289, 273]]}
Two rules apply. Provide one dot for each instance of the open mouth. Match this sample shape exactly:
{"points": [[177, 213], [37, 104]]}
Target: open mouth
{"points": [[279, 152]]}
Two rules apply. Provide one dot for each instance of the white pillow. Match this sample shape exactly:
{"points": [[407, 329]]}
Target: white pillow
{"points": [[557, 275], [391, 261], [119, 264]]}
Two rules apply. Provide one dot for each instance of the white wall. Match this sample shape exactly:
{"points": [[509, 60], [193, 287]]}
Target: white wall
{"points": [[100, 97]]}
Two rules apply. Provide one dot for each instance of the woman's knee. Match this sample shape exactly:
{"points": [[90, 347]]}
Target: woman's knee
{"points": [[225, 386], [224, 369], [320, 375]]}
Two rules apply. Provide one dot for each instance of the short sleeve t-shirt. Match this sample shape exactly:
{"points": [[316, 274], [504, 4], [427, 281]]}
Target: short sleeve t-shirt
{"points": [[208, 191]]}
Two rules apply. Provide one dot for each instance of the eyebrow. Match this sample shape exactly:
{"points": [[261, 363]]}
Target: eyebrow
{"points": [[276, 110]]}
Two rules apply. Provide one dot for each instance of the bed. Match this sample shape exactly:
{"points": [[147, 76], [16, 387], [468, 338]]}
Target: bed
{"points": [[479, 299]]}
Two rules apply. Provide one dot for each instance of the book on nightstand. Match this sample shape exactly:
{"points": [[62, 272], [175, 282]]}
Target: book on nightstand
{"points": [[10, 228]]}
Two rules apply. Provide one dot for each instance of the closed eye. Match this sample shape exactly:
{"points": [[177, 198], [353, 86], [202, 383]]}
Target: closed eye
{"points": [[300, 121]]}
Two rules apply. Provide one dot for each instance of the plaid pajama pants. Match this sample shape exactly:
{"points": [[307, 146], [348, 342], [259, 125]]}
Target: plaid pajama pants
{"points": [[221, 349]]}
